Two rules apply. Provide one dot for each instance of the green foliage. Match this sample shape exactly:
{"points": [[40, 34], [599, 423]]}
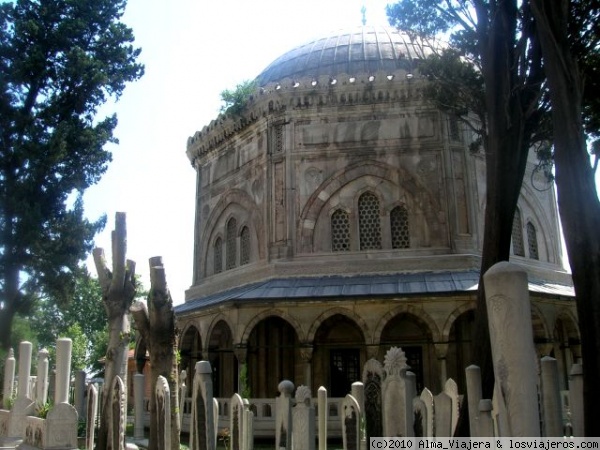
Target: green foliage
{"points": [[234, 101], [245, 391], [60, 61], [42, 409]]}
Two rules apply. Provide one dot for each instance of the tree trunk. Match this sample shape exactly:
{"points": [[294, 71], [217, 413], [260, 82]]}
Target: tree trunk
{"points": [[156, 324], [118, 291], [578, 203]]}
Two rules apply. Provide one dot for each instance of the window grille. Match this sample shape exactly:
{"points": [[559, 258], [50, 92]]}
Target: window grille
{"points": [[340, 231], [244, 246], [399, 227], [532, 241], [517, 235], [218, 262], [231, 244], [368, 222]]}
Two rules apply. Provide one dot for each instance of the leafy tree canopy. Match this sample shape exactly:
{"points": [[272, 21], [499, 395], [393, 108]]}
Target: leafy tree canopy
{"points": [[234, 100], [60, 60]]}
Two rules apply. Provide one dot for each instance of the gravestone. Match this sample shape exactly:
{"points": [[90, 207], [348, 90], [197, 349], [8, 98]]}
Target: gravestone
{"points": [[551, 404], [576, 399], [372, 376], [163, 413], [473, 376], [182, 397], [428, 419], [248, 427], [9, 378], [513, 352], [351, 419], [139, 384], [236, 422], [41, 396], [420, 418], [24, 405], [443, 415], [451, 390], [304, 420], [397, 391], [202, 421], [116, 418], [323, 412], [283, 416], [90, 416], [80, 377], [485, 422]]}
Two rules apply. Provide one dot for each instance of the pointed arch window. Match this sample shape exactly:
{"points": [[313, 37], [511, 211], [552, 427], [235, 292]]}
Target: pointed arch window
{"points": [[532, 241], [218, 256], [231, 244], [340, 231], [517, 235], [244, 246], [399, 227], [369, 222]]}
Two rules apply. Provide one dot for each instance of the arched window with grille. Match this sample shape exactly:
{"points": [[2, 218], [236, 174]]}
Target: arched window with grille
{"points": [[369, 222], [218, 256], [244, 246], [399, 227], [532, 244], [231, 249], [340, 231], [517, 235]]}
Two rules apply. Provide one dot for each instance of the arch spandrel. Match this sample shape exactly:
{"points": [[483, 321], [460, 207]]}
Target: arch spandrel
{"points": [[347, 313]]}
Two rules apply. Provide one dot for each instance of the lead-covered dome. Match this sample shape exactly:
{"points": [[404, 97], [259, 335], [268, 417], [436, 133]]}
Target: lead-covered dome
{"points": [[367, 49]]}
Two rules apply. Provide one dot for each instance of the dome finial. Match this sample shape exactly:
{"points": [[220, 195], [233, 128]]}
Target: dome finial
{"points": [[363, 11]]}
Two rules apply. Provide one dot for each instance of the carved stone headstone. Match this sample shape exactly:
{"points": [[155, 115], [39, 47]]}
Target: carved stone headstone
{"points": [[90, 417], [372, 376], [283, 416], [304, 420], [351, 418], [116, 418], [163, 413], [397, 395], [443, 415], [451, 390], [427, 398], [420, 417], [202, 422], [182, 396], [513, 352]]}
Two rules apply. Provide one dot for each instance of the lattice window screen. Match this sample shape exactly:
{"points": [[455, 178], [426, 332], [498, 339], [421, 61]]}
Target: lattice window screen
{"points": [[368, 222], [399, 227], [517, 235], [340, 231], [532, 241], [231, 244], [218, 262], [244, 246]]}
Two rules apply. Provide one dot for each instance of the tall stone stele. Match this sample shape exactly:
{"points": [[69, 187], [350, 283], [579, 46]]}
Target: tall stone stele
{"points": [[118, 291]]}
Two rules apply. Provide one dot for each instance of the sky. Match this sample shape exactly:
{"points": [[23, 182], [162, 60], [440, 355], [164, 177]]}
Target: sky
{"points": [[192, 51]]}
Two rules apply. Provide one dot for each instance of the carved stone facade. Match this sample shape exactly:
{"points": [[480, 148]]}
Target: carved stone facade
{"points": [[340, 215]]}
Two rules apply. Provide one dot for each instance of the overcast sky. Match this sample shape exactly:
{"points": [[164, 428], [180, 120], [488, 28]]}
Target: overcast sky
{"points": [[192, 50]]}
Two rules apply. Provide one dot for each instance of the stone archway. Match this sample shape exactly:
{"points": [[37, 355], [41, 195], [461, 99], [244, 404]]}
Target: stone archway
{"points": [[222, 360], [567, 347], [272, 353], [339, 355], [459, 354], [190, 351], [415, 338]]}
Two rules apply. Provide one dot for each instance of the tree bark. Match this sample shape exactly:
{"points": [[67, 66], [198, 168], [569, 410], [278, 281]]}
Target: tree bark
{"points": [[578, 203], [156, 324], [118, 291]]}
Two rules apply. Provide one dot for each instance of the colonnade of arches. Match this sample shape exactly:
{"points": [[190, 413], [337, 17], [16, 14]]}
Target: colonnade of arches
{"points": [[334, 350]]}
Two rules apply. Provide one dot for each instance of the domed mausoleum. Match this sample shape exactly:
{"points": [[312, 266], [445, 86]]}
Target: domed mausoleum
{"points": [[341, 214]]}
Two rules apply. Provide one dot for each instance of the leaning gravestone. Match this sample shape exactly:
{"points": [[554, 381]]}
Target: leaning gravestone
{"points": [[304, 420], [351, 420], [163, 413], [90, 417]]}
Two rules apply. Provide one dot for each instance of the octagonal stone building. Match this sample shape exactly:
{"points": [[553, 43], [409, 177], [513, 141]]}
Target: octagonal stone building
{"points": [[340, 214]]}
